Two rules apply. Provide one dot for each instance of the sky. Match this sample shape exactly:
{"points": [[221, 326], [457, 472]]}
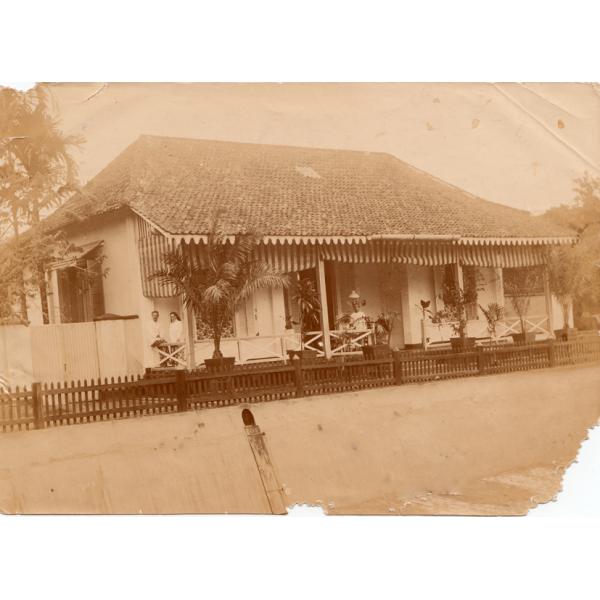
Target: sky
{"points": [[516, 144]]}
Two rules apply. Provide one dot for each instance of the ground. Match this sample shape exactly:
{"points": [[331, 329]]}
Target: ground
{"points": [[483, 445]]}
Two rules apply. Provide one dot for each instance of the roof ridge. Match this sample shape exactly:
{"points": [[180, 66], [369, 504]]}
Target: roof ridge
{"points": [[262, 144]]}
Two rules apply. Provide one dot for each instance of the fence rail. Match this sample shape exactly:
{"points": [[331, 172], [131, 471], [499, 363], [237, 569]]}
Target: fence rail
{"points": [[52, 405]]}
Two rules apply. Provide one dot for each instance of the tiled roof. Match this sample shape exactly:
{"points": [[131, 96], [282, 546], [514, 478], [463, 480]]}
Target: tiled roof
{"points": [[178, 184]]}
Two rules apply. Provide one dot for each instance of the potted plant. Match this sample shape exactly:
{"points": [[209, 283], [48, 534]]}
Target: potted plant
{"points": [[567, 280], [306, 297], [423, 306], [217, 285], [383, 327], [493, 313], [454, 313], [519, 285]]}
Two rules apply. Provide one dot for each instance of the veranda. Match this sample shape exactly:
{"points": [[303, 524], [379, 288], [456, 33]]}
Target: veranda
{"points": [[390, 274]]}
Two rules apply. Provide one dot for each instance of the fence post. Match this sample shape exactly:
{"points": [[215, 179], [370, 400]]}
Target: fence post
{"points": [[397, 366], [181, 390], [298, 377], [480, 360], [36, 394], [551, 358]]}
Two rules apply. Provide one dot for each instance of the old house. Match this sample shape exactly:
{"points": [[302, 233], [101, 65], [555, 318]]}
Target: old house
{"points": [[353, 221]]}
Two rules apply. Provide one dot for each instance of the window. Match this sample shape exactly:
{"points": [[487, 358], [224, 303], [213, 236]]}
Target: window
{"points": [[81, 290], [470, 289], [523, 281], [204, 331]]}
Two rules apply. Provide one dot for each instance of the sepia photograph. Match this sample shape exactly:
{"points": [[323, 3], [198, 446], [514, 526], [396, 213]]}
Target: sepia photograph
{"points": [[377, 299]]}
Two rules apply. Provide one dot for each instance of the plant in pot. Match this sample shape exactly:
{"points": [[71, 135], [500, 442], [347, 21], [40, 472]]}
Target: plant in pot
{"points": [[493, 314], [306, 297], [567, 278], [215, 286], [520, 284], [383, 327], [454, 313]]}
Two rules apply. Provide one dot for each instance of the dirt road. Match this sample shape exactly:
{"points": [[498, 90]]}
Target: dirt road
{"points": [[484, 445]]}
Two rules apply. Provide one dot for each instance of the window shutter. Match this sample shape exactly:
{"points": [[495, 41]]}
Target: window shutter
{"points": [[96, 287]]}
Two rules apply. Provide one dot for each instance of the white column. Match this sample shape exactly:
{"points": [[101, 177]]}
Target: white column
{"points": [[548, 298], [459, 276], [322, 289], [188, 317], [499, 286], [189, 324]]}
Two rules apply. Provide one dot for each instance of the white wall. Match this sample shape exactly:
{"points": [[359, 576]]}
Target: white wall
{"points": [[15, 354]]}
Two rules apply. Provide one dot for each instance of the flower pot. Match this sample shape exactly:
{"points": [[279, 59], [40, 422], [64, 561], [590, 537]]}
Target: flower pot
{"points": [[524, 338], [462, 344], [566, 334], [375, 351], [303, 354], [216, 365]]}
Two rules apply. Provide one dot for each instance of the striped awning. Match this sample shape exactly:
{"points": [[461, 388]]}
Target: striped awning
{"points": [[289, 255], [152, 246]]}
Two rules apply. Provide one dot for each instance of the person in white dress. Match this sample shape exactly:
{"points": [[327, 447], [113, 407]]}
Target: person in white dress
{"points": [[357, 316], [175, 330]]}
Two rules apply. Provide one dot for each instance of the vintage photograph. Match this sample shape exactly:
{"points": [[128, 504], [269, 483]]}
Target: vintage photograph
{"points": [[375, 298]]}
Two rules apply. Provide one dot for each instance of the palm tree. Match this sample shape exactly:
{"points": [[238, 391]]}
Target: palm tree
{"points": [[11, 205], [40, 153], [217, 285]]}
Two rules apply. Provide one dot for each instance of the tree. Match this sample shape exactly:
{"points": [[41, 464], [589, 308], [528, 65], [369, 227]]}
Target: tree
{"points": [[567, 278], [520, 283], [582, 216], [37, 155], [217, 286]]}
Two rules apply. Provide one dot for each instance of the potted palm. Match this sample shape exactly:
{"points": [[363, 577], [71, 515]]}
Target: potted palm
{"points": [[383, 327], [454, 313], [493, 314], [306, 297], [519, 285], [217, 285]]}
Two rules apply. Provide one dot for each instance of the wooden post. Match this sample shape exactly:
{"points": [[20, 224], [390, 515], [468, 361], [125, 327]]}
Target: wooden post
{"points": [[181, 390], [298, 377], [397, 366], [264, 465], [551, 357], [548, 298], [480, 360], [322, 289], [36, 392]]}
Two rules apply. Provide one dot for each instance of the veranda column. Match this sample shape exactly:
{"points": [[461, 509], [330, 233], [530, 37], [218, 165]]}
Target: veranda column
{"points": [[191, 337], [548, 298], [459, 276], [322, 289], [189, 324]]}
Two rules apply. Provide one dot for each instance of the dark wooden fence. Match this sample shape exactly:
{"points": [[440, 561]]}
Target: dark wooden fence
{"points": [[88, 401]]}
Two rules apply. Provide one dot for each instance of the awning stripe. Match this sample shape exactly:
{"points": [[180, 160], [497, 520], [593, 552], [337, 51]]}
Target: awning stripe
{"points": [[297, 256]]}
